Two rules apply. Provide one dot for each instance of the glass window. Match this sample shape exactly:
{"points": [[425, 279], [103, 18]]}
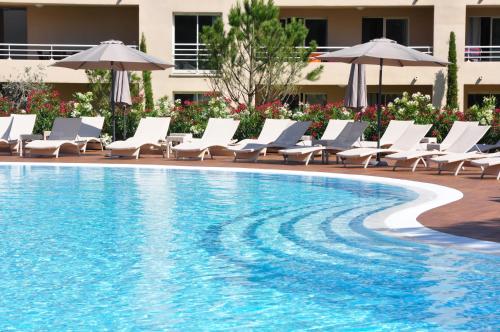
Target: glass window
{"points": [[292, 101], [397, 29], [378, 27], [191, 96], [315, 98], [386, 98], [317, 31], [372, 28], [13, 28], [477, 99], [188, 45]]}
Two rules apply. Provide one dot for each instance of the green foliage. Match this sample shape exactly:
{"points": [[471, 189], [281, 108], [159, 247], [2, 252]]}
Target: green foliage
{"points": [[17, 89], [257, 55], [128, 118], [487, 114], [47, 105], [452, 86], [146, 79]]}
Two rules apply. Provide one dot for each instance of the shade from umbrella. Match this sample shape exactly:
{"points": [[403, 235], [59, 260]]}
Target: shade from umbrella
{"points": [[115, 56], [355, 95], [122, 88], [382, 52]]}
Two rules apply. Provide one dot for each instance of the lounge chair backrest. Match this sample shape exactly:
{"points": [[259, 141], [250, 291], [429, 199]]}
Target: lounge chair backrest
{"points": [[334, 128], [351, 134], [291, 135], [152, 130], [5, 123], [219, 131], [394, 131], [411, 137], [91, 126], [272, 129], [65, 129], [456, 131], [22, 124], [468, 139]]}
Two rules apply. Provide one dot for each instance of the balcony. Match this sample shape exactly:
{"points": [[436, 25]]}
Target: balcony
{"points": [[482, 53], [41, 51], [188, 57]]}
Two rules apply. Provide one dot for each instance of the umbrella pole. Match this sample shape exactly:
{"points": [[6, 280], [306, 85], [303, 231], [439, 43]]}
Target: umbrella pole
{"points": [[113, 119], [379, 108]]}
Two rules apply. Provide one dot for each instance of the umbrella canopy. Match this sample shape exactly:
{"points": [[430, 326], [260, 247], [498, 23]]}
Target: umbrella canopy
{"points": [[113, 54], [392, 54], [122, 88], [356, 95]]}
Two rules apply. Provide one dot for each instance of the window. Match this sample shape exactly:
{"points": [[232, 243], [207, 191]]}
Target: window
{"points": [[317, 29], [483, 31], [13, 29], [315, 98], [392, 28], [477, 99], [386, 98], [191, 96], [188, 47]]}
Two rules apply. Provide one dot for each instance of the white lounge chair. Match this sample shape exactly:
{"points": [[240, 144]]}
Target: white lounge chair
{"points": [[392, 133], [288, 138], [488, 147], [217, 134], [456, 130], [456, 156], [407, 142], [149, 135], [11, 129], [343, 140], [62, 138], [489, 165], [271, 129], [90, 131], [458, 140]]}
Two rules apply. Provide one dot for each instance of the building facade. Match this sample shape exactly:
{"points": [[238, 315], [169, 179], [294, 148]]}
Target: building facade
{"points": [[35, 33]]}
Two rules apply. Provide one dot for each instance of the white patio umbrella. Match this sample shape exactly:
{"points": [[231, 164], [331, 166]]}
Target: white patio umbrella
{"points": [[382, 52], [122, 88], [113, 55], [356, 95]]}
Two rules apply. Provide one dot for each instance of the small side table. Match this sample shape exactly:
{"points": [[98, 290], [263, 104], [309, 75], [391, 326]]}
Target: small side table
{"points": [[172, 140], [24, 139]]}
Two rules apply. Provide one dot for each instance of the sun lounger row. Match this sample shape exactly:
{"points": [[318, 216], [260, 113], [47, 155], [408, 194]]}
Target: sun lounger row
{"points": [[401, 142]]}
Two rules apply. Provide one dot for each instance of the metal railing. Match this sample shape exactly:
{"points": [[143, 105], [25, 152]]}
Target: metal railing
{"points": [[188, 58], [41, 51], [482, 53]]}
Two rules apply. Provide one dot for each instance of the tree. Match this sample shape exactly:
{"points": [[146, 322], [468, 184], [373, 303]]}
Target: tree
{"points": [[452, 87], [257, 55], [18, 88], [146, 79]]}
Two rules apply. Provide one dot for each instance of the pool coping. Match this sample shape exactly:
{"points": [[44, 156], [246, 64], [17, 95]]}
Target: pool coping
{"points": [[388, 221]]}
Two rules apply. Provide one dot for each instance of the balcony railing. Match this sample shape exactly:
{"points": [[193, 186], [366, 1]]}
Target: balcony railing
{"points": [[482, 53], [188, 58], [41, 51]]}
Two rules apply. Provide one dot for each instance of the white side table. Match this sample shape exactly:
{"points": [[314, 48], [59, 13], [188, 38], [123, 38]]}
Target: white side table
{"points": [[174, 139]]}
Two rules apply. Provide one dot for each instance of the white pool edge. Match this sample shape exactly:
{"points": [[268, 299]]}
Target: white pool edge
{"points": [[400, 221]]}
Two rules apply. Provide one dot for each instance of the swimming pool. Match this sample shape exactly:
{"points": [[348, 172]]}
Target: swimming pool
{"points": [[92, 248]]}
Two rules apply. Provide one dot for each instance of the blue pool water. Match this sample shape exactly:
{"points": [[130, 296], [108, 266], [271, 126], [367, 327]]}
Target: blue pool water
{"points": [[186, 250]]}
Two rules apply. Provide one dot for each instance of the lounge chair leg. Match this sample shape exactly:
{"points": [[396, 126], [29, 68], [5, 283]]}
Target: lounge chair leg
{"points": [[459, 167], [367, 162], [308, 158]]}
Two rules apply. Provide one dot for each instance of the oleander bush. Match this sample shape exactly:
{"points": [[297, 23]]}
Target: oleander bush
{"points": [[193, 116]]}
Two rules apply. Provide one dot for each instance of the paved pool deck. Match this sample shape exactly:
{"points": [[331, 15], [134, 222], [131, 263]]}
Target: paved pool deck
{"points": [[476, 215]]}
